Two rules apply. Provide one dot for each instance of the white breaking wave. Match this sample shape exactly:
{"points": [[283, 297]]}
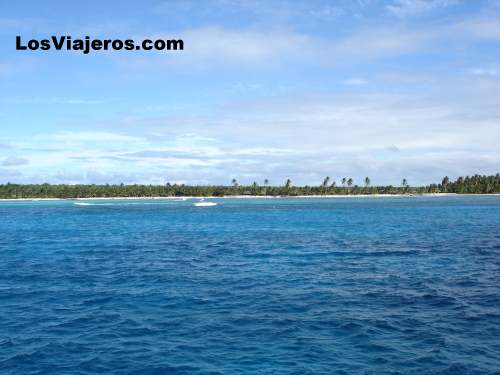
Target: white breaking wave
{"points": [[127, 203]]}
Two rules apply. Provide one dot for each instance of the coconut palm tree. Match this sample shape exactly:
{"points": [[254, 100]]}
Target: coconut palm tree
{"points": [[467, 184], [234, 182], [367, 181], [444, 183], [254, 188], [326, 181], [349, 184], [405, 185], [343, 181], [324, 185]]}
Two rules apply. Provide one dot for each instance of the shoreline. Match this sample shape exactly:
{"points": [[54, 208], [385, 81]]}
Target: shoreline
{"points": [[251, 197]]}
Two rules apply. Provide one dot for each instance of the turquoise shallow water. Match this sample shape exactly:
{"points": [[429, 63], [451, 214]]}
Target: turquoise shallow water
{"points": [[272, 286]]}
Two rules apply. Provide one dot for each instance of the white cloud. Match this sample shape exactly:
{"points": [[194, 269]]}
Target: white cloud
{"points": [[223, 48], [386, 137], [490, 72], [355, 82], [81, 136], [13, 161], [404, 8], [327, 12], [436, 128], [48, 100], [217, 45], [486, 28]]}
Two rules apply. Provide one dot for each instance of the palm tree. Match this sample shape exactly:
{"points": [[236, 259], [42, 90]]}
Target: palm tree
{"points": [[326, 181], [266, 184], [325, 184], [343, 181], [234, 182], [445, 182], [367, 184], [254, 188], [349, 184], [405, 185], [467, 184]]}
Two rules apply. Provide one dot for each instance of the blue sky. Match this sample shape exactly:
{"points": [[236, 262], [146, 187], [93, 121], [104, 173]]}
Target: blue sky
{"points": [[264, 89]]}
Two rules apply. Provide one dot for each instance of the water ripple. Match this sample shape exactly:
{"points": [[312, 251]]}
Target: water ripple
{"points": [[290, 286]]}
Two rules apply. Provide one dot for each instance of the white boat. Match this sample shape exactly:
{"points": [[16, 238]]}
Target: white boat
{"points": [[201, 203]]}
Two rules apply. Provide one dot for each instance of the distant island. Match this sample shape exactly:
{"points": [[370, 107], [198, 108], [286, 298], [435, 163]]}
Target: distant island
{"points": [[476, 184]]}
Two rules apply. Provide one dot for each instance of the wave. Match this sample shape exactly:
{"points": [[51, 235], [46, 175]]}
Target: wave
{"points": [[124, 203]]}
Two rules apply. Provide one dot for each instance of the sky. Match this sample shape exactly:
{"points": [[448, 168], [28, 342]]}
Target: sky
{"points": [[264, 89]]}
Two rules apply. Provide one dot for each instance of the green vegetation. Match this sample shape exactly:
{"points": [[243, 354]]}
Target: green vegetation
{"points": [[463, 185]]}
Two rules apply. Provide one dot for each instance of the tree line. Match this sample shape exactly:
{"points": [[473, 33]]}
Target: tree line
{"points": [[476, 184]]}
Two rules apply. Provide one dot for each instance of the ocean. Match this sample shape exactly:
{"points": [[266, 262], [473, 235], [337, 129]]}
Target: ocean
{"points": [[401, 285]]}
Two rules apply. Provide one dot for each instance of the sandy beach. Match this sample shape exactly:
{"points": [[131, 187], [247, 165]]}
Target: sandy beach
{"points": [[250, 197]]}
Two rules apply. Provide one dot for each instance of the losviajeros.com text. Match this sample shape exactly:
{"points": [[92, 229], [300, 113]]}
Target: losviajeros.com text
{"points": [[87, 44]]}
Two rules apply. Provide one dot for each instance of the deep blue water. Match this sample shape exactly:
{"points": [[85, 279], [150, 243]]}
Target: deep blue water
{"points": [[272, 286]]}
